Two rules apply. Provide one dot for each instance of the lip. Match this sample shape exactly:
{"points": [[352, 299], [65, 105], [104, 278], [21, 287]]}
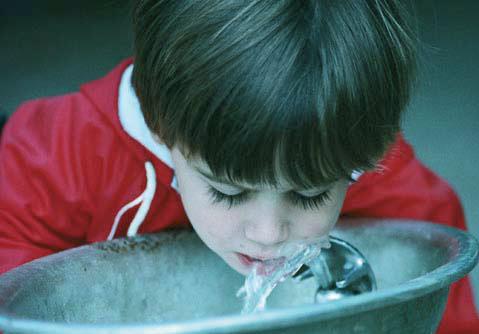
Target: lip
{"points": [[261, 261], [247, 260]]}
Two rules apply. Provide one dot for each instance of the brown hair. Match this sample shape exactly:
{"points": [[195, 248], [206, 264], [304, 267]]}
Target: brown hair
{"points": [[314, 88]]}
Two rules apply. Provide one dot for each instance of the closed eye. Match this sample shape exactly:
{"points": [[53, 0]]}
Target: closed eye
{"points": [[301, 201], [309, 202], [230, 200]]}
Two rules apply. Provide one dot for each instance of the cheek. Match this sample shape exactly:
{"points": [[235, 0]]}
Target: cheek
{"points": [[215, 225], [320, 222], [314, 224]]}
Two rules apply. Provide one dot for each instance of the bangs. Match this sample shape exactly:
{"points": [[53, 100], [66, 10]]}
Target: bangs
{"points": [[305, 91], [268, 129], [277, 122]]}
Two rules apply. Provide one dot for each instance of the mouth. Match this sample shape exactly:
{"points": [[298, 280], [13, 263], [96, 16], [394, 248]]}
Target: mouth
{"points": [[264, 265]]}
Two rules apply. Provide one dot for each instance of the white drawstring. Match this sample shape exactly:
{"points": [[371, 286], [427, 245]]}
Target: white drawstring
{"points": [[148, 195], [145, 199]]}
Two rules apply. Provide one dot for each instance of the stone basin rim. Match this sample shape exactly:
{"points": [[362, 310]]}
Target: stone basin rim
{"points": [[464, 260]]}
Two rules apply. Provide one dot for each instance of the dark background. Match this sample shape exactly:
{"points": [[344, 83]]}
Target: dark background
{"points": [[50, 47]]}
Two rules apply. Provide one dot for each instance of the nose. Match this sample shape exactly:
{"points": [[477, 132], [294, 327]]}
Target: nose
{"points": [[268, 228]]}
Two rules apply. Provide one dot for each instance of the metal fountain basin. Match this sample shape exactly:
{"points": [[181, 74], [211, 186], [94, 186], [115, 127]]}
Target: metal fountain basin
{"points": [[171, 283]]}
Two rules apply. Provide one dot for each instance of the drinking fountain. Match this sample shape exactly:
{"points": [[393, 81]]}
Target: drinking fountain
{"points": [[171, 282]]}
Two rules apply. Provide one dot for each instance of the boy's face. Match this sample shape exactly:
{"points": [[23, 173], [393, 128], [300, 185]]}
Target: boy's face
{"points": [[245, 223]]}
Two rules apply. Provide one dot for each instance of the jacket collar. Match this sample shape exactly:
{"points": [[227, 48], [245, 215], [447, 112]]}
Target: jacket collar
{"points": [[114, 97], [133, 122]]}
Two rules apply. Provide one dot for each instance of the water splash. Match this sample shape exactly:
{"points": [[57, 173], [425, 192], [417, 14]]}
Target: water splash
{"points": [[266, 275]]}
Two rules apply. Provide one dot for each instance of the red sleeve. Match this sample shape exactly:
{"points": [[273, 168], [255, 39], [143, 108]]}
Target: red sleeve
{"points": [[39, 189], [405, 188]]}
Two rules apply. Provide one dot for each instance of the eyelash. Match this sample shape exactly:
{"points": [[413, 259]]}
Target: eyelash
{"points": [[231, 200], [307, 203]]}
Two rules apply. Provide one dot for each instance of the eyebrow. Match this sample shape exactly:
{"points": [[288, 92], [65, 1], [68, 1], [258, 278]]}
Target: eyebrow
{"points": [[225, 181]]}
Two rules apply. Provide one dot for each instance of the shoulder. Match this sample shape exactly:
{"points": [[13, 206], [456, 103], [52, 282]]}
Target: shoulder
{"points": [[403, 187], [84, 115], [42, 114], [43, 124], [66, 133]]}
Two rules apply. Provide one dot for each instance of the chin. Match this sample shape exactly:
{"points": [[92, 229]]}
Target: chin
{"points": [[234, 264], [242, 271]]}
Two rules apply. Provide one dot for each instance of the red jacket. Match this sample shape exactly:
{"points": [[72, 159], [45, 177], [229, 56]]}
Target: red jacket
{"points": [[68, 166]]}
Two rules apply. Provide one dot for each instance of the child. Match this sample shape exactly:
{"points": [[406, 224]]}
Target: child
{"points": [[247, 119]]}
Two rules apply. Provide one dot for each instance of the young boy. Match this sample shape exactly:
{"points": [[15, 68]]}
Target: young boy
{"points": [[248, 120]]}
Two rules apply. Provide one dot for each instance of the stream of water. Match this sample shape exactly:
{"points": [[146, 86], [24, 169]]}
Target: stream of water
{"points": [[264, 276]]}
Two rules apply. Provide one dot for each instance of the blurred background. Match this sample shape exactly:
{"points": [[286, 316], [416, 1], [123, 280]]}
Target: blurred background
{"points": [[50, 47]]}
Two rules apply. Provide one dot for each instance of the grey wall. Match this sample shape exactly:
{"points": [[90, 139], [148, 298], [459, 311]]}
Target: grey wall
{"points": [[443, 118], [50, 47]]}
